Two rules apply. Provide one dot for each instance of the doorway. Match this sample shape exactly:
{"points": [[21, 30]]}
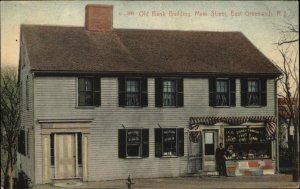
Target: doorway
{"points": [[210, 144], [65, 156]]}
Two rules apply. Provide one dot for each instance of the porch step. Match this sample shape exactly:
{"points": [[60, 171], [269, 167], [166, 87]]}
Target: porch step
{"points": [[210, 173], [68, 183]]}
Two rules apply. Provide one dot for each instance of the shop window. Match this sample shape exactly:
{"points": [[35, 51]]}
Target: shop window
{"points": [[133, 143], [253, 92], [21, 142], [222, 92], [133, 92], [89, 91], [247, 143], [169, 92], [169, 142]]}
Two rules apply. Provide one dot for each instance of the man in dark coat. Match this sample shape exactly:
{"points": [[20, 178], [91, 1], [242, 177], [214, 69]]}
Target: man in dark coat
{"points": [[220, 160]]}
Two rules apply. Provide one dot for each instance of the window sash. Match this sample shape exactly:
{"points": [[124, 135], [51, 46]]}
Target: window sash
{"points": [[253, 94], [132, 93], [169, 142], [222, 93], [134, 143], [169, 93]]}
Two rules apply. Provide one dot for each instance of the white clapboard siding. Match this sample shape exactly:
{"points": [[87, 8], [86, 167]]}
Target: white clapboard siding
{"points": [[56, 97], [26, 163]]}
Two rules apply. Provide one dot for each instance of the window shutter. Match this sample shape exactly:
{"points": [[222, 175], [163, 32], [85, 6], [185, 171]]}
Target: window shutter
{"points": [[158, 92], [180, 142], [232, 92], [158, 142], [144, 92], [121, 91], [97, 89], [244, 91], [21, 142], [122, 143], [180, 99], [145, 143], [212, 92], [263, 89]]}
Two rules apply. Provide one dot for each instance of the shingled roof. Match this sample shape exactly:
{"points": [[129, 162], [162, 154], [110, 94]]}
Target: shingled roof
{"points": [[76, 50]]}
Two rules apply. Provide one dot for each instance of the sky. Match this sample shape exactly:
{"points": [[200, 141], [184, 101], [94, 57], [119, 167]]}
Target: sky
{"points": [[258, 20]]}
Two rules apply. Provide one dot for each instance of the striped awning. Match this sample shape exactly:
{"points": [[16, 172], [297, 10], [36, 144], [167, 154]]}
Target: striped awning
{"points": [[196, 122]]}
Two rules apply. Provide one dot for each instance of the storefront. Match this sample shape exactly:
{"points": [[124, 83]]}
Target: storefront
{"points": [[249, 141]]}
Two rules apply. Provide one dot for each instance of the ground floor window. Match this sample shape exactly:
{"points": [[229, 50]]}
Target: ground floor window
{"points": [[169, 142], [133, 143], [247, 143]]}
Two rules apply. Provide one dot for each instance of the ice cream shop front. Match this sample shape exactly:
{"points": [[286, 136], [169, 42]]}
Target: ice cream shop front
{"points": [[249, 142]]}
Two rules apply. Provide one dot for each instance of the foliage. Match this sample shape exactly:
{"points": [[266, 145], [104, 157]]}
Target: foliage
{"points": [[10, 122]]}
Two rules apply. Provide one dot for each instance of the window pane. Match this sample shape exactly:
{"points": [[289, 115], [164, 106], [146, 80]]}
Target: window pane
{"points": [[81, 84], [88, 98], [209, 143], [222, 95], [88, 84], [169, 142], [132, 93]]}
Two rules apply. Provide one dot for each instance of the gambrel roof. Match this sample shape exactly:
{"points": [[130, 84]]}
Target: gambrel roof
{"points": [[75, 49]]}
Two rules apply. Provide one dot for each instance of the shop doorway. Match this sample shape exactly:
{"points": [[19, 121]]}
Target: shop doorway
{"points": [[65, 156], [209, 145]]}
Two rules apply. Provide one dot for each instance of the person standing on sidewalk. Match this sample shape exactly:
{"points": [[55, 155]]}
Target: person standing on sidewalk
{"points": [[220, 160]]}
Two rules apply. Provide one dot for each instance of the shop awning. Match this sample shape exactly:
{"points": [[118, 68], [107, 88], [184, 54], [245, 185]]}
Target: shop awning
{"points": [[196, 122]]}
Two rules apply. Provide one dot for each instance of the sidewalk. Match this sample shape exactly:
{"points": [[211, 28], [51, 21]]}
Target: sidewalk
{"points": [[213, 182]]}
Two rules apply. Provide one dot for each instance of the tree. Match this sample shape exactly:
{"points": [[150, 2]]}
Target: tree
{"points": [[10, 123], [288, 48]]}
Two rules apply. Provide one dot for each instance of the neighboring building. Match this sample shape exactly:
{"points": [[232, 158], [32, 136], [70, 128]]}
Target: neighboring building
{"points": [[100, 103]]}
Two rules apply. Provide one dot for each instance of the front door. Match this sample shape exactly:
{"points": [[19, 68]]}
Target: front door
{"points": [[65, 156], [210, 142]]}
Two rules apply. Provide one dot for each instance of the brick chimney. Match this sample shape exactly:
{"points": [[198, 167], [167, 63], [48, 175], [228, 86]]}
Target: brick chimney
{"points": [[99, 18]]}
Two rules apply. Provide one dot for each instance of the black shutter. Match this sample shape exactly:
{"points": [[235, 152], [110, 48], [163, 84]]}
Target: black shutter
{"points": [[97, 89], [212, 92], [121, 91], [144, 92], [21, 142], [180, 142], [244, 92], [180, 99], [158, 142], [263, 88], [232, 92], [122, 143], [158, 92], [145, 143]]}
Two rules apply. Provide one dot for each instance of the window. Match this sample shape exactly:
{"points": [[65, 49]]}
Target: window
{"points": [[21, 142], [169, 92], [79, 148], [222, 96], [133, 143], [133, 92], [253, 92], [27, 93], [248, 143], [221, 92], [27, 142], [169, 142], [209, 144], [89, 91], [52, 149]]}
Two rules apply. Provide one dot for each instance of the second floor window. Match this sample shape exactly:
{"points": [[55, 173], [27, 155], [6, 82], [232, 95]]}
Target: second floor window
{"points": [[222, 95], [133, 92], [253, 92], [89, 91], [222, 92], [169, 92]]}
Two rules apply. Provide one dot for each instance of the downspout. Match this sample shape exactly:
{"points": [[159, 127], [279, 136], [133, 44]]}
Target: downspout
{"points": [[34, 128], [277, 126]]}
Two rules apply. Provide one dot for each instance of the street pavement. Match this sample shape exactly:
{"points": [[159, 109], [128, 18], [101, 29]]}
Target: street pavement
{"points": [[279, 181]]}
